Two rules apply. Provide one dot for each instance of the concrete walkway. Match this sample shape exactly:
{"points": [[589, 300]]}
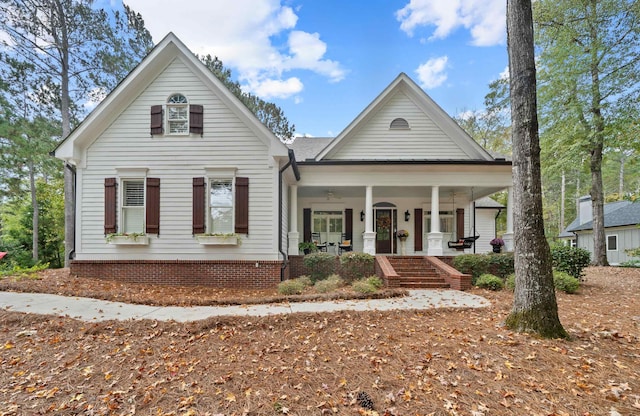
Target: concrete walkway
{"points": [[93, 310]]}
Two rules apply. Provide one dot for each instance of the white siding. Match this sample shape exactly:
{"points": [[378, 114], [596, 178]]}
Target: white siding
{"points": [[628, 238], [486, 228], [375, 141], [227, 143]]}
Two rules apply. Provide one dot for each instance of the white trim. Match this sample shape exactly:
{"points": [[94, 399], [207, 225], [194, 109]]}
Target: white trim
{"points": [[617, 242], [133, 173]]}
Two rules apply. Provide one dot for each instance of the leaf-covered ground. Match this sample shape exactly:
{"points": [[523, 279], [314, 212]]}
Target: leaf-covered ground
{"points": [[439, 362]]}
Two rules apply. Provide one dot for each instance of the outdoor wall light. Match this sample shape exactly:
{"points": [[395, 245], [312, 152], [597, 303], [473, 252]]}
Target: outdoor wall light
{"points": [[361, 215], [407, 215]]}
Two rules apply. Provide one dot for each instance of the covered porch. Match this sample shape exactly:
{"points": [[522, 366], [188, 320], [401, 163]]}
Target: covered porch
{"points": [[368, 206]]}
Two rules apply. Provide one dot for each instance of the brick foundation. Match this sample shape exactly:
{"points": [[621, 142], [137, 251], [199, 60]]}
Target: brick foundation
{"points": [[297, 268], [236, 274]]}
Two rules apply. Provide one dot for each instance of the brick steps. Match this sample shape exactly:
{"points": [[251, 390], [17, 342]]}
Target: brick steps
{"points": [[415, 273]]}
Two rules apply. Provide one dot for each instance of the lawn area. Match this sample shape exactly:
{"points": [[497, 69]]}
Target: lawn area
{"points": [[438, 362]]}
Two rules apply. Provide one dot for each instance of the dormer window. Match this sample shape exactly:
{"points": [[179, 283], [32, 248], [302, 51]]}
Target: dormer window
{"points": [[177, 114], [182, 118], [399, 124]]}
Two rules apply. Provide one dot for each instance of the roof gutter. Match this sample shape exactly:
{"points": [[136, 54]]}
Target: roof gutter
{"points": [[296, 173], [311, 162]]}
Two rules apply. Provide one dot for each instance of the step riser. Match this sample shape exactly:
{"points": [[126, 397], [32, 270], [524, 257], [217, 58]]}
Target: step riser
{"points": [[415, 273]]}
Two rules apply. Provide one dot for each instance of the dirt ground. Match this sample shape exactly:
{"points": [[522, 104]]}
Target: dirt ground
{"points": [[437, 362]]}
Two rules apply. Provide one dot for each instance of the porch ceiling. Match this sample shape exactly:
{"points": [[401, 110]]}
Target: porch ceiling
{"points": [[337, 192]]}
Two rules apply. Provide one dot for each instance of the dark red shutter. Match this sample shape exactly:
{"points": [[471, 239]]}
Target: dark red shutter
{"points": [[242, 206], [348, 227], [153, 206], [110, 205], [306, 224], [417, 229], [199, 192], [156, 119], [196, 119], [460, 223]]}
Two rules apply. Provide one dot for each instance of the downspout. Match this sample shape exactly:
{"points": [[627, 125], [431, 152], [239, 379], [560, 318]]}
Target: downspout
{"points": [[72, 253], [475, 230], [296, 173]]}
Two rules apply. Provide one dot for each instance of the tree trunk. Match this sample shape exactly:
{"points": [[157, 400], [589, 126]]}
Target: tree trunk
{"points": [[35, 219], [534, 306], [562, 197], [621, 179], [597, 145], [62, 41]]}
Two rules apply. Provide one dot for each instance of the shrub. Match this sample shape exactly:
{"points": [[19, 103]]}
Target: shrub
{"points": [[473, 264], [565, 282], [320, 265], [356, 265], [501, 265], [291, 287], [490, 281], [306, 280], [630, 263], [633, 252], [571, 260], [510, 282], [329, 284], [375, 281], [362, 286]]}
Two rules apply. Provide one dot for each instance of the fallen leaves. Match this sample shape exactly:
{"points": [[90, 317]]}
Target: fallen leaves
{"points": [[429, 362]]}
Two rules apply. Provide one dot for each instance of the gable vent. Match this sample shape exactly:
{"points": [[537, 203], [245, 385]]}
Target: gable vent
{"points": [[399, 124]]}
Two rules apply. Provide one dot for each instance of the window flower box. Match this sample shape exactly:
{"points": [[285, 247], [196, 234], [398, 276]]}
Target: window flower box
{"points": [[218, 239], [128, 239]]}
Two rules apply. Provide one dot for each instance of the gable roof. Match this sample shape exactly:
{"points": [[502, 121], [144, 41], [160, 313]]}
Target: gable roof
{"points": [[404, 85], [166, 51], [616, 214]]}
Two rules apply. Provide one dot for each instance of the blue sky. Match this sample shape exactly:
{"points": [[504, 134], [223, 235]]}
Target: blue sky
{"points": [[324, 61]]}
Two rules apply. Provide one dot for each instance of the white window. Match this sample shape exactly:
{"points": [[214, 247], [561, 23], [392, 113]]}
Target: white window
{"points": [[446, 221], [612, 242], [177, 114], [132, 210], [220, 206], [329, 224]]}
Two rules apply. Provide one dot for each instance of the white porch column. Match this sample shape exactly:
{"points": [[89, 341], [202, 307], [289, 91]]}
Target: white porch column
{"points": [[369, 236], [434, 238], [508, 236], [294, 235]]}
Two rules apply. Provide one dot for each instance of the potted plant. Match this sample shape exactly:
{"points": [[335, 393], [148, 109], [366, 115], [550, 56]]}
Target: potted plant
{"points": [[497, 244], [402, 234], [307, 247]]}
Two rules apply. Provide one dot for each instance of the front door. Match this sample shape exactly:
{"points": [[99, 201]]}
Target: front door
{"points": [[385, 224]]}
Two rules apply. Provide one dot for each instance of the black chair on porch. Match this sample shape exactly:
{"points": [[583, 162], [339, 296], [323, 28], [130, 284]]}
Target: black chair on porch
{"points": [[345, 245], [315, 237]]}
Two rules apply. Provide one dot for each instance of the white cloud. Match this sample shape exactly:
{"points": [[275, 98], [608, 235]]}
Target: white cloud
{"points": [[431, 74], [485, 19], [256, 38], [275, 88]]}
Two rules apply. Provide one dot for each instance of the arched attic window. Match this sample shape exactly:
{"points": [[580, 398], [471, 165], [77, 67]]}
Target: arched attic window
{"points": [[399, 124], [182, 118], [178, 114]]}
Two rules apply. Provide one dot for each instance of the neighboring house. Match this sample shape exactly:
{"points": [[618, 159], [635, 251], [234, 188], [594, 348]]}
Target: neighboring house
{"points": [[178, 182], [621, 221]]}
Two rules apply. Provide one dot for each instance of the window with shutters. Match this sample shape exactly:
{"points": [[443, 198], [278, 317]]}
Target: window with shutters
{"points": [[220, 206], [132, 209], [177, 114]]}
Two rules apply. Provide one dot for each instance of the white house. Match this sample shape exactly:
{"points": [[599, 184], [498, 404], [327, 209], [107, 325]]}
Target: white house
{"points": [[177, 181], [621, 228]]}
